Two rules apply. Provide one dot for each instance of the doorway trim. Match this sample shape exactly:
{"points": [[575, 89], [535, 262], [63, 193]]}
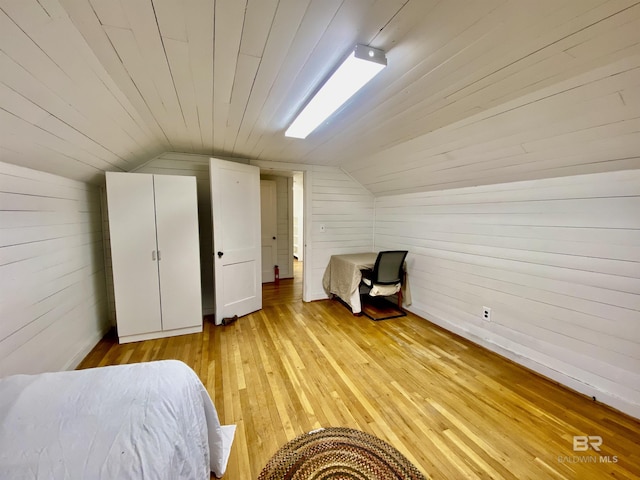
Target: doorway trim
{"points": [[269, 168]]}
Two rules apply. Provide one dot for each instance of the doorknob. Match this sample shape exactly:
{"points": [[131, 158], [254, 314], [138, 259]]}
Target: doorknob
{"points": [[220, 254], [274, 238]]}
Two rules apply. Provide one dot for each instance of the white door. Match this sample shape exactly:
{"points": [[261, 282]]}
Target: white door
{"points": [[178, 251], [235, 205], [269, 226], [132, 229]]}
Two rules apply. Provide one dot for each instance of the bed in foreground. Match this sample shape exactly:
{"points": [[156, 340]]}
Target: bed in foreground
{"points": [[146, 420]]}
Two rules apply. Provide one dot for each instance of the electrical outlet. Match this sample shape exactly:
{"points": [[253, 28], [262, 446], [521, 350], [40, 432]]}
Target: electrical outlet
{"points": [[486, 314]]}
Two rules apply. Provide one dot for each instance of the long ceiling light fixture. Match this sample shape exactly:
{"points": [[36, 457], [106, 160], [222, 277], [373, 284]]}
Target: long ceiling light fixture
{"points": [[360, 66]]}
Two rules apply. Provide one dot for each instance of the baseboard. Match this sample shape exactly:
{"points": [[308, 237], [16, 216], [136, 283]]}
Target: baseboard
{"points": [[621, 404], [160, 334], [86, 349], [318, 296]]}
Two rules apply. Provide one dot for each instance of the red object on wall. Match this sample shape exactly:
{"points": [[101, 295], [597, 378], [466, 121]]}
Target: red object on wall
{"points": [[276, 274]]}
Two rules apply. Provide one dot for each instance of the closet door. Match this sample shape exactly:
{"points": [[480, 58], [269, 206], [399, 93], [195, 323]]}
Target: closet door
{"points": [[132, 231], [179, 253]]}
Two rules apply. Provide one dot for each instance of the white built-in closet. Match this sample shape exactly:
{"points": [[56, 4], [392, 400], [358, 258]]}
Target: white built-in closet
{"points": [[153, 225]]}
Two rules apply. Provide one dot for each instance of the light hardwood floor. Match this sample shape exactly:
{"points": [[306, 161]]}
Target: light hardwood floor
{"points": [[453, 408]]}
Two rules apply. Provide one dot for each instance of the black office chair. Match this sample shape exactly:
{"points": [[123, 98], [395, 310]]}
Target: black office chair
{"points": [[388, 271]]}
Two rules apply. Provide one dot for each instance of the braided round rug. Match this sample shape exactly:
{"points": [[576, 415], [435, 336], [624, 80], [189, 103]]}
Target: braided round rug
{"points": [[338, 453]]}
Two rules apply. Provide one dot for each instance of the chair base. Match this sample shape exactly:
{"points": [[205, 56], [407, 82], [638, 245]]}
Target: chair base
{"points": [[379, 308]]}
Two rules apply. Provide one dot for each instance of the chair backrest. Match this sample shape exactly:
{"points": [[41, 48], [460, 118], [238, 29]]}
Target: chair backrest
{"points": [[388, 267]]}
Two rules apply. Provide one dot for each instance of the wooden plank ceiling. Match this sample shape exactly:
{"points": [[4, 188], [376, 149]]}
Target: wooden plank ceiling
{"points": [[93, 85]]}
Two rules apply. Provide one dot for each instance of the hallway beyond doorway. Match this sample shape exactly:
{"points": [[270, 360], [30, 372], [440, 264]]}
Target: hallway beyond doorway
{"points": [[288, 290]]}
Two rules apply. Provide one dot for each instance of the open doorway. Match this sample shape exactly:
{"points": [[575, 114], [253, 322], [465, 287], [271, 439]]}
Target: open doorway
{"points": [[282, 217], [298, 230], [298, 217]]}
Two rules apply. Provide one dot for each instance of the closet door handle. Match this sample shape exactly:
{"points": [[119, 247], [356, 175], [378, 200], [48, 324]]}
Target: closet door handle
{"points": [[220, 254], [159, 255], [153, 255]]}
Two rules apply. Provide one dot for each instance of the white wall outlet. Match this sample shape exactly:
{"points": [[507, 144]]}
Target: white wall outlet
{"points": [[486, 314]]}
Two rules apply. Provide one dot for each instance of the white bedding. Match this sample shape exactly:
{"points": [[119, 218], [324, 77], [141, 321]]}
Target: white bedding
{"points": [[143, 421]]}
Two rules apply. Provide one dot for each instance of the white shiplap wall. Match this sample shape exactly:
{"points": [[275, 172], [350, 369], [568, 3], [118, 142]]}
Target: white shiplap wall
{"points": [[345, 209], [557, 261], [53, 303]]}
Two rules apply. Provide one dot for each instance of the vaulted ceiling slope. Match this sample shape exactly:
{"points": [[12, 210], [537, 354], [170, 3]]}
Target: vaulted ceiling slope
{"points": [[476, 91]]}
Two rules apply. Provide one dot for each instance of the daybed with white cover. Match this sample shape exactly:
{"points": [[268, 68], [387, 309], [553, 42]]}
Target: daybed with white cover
{"points": [[142, 421]]}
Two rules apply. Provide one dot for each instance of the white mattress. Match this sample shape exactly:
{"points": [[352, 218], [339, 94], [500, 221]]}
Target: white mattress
{"points": [[144, 421]]}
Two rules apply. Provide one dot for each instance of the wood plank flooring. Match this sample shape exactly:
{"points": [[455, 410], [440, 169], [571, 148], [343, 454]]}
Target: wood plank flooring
{"points": [[453, 408]]}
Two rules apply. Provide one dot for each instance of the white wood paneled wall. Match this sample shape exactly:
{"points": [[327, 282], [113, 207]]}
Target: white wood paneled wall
{"points": [[557, 261], [53, 303], [345, 209]]}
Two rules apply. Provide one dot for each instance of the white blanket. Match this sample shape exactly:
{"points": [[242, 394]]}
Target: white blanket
{"points": [[143, 421]]}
